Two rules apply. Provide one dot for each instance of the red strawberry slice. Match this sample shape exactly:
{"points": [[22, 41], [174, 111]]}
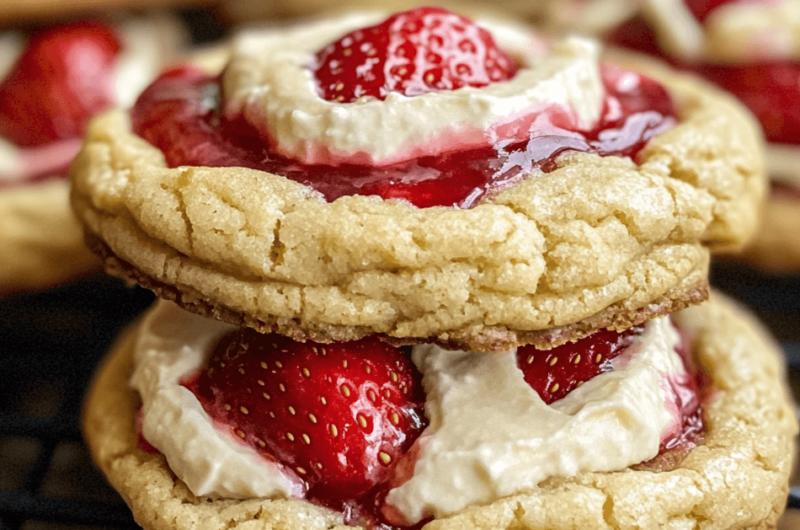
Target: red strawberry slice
{"points": [[423, 50], [557, 372], [61, 79], [339, 415]]}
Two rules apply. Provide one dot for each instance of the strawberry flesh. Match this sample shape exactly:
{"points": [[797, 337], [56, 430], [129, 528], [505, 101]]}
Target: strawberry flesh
{"points": [[415, 52], [557, 372], [338, 415], [62, 79]]}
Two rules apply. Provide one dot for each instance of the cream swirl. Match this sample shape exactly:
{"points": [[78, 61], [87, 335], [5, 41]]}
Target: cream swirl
{"points": [[270, 83], [490, 433]]}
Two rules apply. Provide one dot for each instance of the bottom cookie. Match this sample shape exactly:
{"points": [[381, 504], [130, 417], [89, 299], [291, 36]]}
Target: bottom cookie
{"points": [[737, 478]]}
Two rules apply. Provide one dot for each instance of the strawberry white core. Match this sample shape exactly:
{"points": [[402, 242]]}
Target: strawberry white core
{"points": [[490, 433], [270, 84]]}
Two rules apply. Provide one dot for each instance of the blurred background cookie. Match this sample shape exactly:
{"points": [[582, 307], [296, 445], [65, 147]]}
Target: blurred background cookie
{"points": [[55, 79]]}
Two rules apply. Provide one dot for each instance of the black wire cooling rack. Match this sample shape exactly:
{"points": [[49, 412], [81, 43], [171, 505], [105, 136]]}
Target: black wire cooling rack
{"points": [[51, 342]]}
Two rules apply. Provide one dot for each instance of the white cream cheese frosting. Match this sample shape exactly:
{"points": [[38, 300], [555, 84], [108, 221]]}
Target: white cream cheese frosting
{"points": [[270, 83], [171, 344], [490, 434]]}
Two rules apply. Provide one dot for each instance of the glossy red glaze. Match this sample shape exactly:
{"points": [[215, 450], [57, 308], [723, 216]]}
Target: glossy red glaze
{"points": [[179, 115], [689, 389]]}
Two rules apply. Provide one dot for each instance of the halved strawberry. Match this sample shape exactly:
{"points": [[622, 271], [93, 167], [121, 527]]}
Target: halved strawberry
{"points": [[339, 415], [557, 372], [62, 79], [422, 50]]}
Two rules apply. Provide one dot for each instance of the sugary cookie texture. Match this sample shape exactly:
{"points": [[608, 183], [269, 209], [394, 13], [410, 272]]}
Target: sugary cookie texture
{"points": [[593, 242], [736, 479]]}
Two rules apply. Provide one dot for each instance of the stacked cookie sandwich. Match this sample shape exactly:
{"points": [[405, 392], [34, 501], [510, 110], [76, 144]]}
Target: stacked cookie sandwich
{"points": [[425, 270]]}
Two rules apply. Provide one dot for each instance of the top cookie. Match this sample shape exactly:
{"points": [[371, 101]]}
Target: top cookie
{"points": [[595, 241]]}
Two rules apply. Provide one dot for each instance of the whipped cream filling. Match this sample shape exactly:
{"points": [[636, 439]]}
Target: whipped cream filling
{"points": [[171, 344], [269, 82], [490, 434], [732, 33]]}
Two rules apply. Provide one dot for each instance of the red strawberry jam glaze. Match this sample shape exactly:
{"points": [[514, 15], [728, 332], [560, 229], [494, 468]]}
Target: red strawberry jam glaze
{"points": [[688, 390], [179, 114], [341, 416]]}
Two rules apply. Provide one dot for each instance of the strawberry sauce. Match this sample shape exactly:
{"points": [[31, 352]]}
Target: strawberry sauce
{"points": [[180, 114]]}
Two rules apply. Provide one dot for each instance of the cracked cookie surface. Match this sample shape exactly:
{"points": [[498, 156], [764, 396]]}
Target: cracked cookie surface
{"points": [[597, 234], [736, 479]]}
